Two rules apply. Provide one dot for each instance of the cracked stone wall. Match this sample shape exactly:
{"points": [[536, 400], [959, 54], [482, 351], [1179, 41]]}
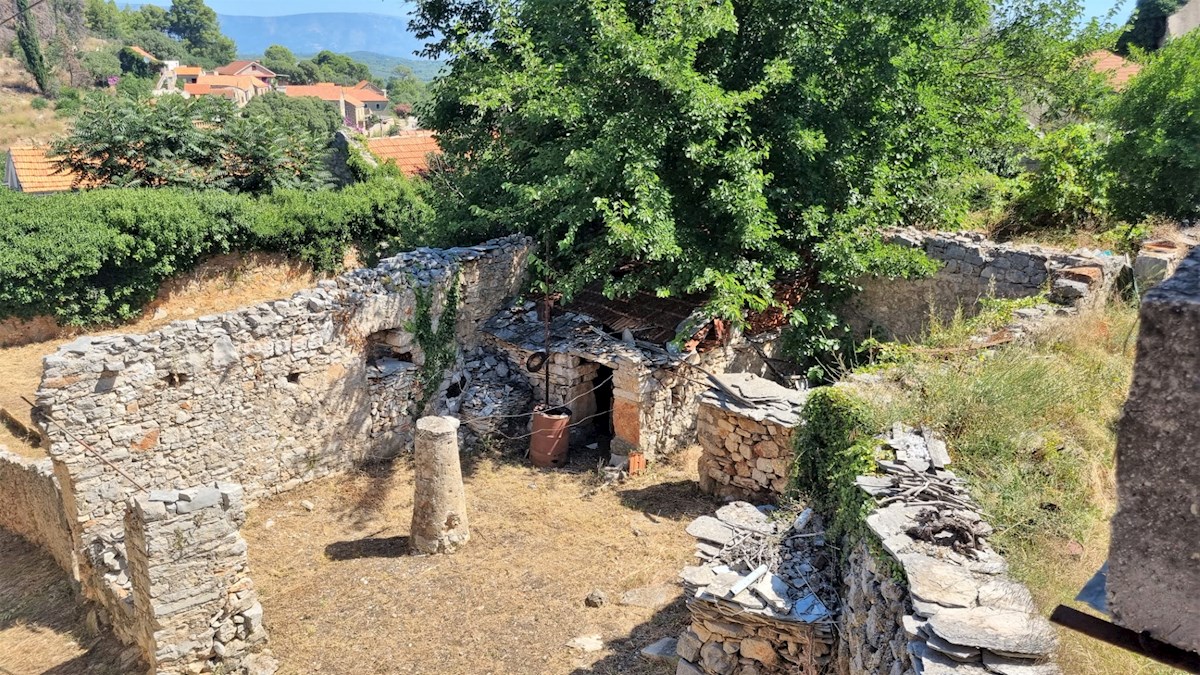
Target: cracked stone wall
{"points": [[196, 610], [269, 397], [975, 268]]}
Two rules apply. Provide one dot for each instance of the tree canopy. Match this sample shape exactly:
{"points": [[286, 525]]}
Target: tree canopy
{"points": [[187, 31], [199, 143], [1155, 149], [696, 146]]}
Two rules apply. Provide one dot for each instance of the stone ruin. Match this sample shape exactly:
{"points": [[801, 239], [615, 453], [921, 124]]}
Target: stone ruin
{"points": [[767, 595], [141, 429]]}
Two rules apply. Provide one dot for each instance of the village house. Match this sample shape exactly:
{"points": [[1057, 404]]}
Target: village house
{"points": [[409, 150], [356, 104], [30, 169], [188, 74], [238, 88], [251, 69]]}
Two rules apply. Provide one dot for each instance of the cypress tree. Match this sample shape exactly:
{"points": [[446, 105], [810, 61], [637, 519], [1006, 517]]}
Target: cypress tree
{"points": [[31, 48]]}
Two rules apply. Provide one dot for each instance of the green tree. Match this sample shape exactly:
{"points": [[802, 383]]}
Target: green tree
{"points": [[405, 87], [159, 44], [337, 68], [195, 24], [103, 18], [144, 18], [31, 49], [1155, 151], [312, 115], [197, 143], [695, 146], [282, 62], [1148, 25], [101, 65]]}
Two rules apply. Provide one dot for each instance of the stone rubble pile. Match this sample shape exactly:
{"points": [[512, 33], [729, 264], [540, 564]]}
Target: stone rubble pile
{"points": [[967, 615], [763, 600], [498, 399], [747, 439]]}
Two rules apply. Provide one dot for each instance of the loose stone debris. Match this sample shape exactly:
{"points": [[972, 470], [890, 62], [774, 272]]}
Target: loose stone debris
{"points": [[763, 599]]}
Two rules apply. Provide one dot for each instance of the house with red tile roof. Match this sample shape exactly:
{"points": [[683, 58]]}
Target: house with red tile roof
{"points": [[31, 169], [238, 88], [188, 74], [250, 69], [1115, 68], [410, 151], [356, 103]]}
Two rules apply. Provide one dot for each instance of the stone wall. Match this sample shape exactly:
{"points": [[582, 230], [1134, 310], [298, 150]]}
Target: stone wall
{"points": [[975, 268], [195, 608], [268, 397], [31, 505], [958, 610], [1153, 570], [747, 450]]}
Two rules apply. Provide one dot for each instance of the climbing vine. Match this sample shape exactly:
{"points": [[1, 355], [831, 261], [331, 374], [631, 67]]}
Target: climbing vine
{"points": [[437, 344]]}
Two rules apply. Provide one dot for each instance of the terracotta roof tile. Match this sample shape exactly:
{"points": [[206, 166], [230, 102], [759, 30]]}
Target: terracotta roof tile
{"points": [[39, 173], [189, 70], [238, 66], [322, 90], [245, 82], [410, 150], [142, 52], [1116, 68]]}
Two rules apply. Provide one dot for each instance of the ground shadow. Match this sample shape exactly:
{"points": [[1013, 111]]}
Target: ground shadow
{"points": [[370, 547], [37, 595], [624, 657], [676, 500]]}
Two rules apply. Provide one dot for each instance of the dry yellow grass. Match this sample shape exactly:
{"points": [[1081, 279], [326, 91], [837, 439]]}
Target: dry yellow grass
{"points": [[340, 596], [42, 629], [220, 284], [19, 122]]}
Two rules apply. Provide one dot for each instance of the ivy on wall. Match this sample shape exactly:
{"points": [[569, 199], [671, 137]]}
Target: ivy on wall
{"points": [[437, 344]]}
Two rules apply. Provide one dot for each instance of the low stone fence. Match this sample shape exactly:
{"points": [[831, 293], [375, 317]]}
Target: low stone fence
{"points": [[764, 600], [195, 608], [31, 505], [747, 449], [960, 612], [975, 268]]}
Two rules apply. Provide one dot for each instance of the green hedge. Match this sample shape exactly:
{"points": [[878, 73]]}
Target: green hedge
{"points": [[100, 256]]}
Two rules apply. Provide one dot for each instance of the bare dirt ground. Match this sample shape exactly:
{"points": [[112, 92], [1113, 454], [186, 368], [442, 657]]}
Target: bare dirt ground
{"points": [[42, 629], [220, 284], [341, 595]]}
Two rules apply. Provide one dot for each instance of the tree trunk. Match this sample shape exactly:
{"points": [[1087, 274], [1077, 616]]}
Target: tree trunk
{"points": [[439, 521]]}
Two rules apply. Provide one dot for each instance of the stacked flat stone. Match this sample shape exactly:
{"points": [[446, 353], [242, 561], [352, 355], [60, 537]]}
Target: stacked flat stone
{"points": [[966, 615], [195, 607], [761, 621], [498, 399], [747, 441]]}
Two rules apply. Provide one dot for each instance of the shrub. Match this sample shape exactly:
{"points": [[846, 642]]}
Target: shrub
{"points": [[39, 103], [100, 256], [835, 445], [1069, 188], [1156, 146]]}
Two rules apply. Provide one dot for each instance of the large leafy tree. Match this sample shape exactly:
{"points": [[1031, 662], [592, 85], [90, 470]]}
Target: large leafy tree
{"points": [[1155, 150], [699, 146], [199, 143]]}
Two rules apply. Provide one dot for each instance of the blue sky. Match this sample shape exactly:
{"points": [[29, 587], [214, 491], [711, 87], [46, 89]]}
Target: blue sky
{"points": [[400, 7]]}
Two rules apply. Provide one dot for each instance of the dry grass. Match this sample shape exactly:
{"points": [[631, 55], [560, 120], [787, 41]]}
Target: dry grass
{"points": [[42, 629], [220, 284], [19, 122], [342, 597], [1032, 428]]}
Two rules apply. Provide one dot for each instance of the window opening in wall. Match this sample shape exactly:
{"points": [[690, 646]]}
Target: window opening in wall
{"points": [[294, 378], [176, 379]]}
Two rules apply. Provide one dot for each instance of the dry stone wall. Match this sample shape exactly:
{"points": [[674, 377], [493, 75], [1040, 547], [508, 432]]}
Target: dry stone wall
{"points": [[747, 449], [195, 607], [975, 268], [958, 612], [268, 397], [31, 505]]}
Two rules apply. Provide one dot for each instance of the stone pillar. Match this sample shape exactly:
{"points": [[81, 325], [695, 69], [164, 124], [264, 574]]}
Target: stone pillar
{"points": [[439, 520], [1154, 556], [195, 605]]}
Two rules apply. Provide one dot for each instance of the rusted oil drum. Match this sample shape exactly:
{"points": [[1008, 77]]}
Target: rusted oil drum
{"points": [[551, 437]]}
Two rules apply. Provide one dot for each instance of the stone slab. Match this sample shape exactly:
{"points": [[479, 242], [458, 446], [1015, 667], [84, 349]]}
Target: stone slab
{"points": [[1007, 633]]}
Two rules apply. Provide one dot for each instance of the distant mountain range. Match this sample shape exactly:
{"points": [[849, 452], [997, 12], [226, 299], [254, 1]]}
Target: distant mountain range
{"points": [[335, 31]]}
